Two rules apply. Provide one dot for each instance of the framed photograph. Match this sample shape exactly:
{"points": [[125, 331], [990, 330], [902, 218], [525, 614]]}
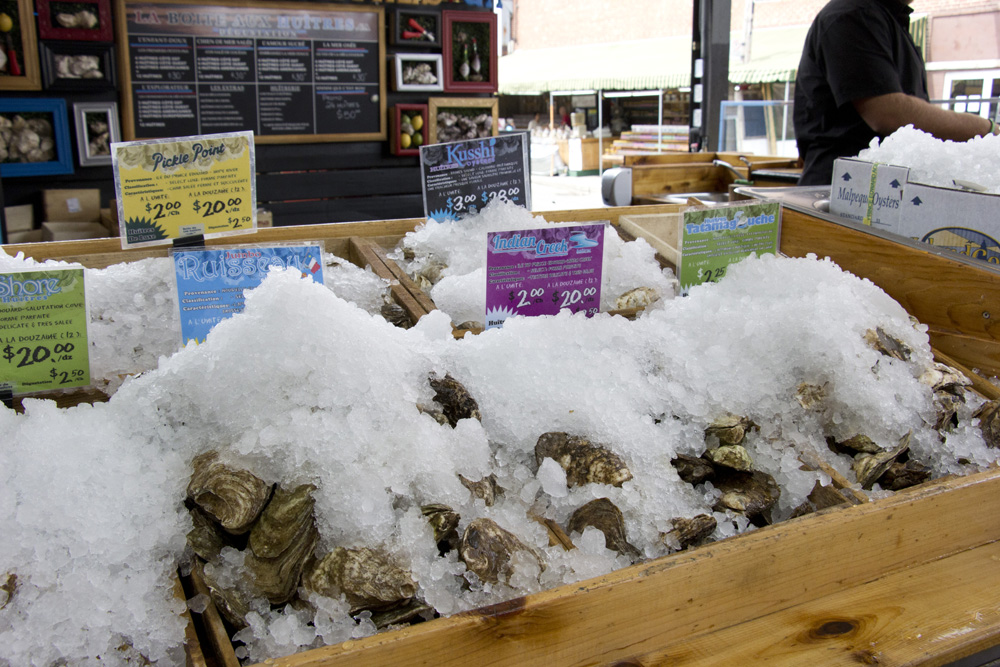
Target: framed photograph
{"points": [[96, 127], [456, 118], [417, 72], [88, 20], [470, 51], [19, 52], [38, 139], [408, 128], [415, 27], [78, 66]]}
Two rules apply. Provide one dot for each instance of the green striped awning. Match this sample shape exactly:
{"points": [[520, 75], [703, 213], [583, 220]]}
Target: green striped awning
{"points": [[651, 64]]}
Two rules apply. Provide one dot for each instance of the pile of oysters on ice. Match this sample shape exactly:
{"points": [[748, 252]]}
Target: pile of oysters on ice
{"points": [[276, 528]]}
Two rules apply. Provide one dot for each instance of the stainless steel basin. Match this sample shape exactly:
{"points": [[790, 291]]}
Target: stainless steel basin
{"points": [[707, 197]]}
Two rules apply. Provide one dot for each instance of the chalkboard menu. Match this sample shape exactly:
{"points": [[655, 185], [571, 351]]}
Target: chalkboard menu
{"points": [[290, 72]]}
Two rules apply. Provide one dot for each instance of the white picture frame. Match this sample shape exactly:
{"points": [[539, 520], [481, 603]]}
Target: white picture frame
{"points": [[404, 66], [96, 127]]}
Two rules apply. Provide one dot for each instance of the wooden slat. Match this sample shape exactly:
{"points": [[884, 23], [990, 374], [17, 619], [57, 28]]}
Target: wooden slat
{"points": [[929, 615], [192, 647], [213, 625], [645, 608], [657, 180], [960, 303], [986, 389]]}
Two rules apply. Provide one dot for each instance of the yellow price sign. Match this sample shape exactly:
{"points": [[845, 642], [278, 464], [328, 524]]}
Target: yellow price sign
{"points": [[189, 186]]}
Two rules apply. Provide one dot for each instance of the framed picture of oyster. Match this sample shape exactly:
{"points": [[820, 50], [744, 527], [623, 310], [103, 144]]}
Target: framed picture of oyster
{"points": [[470, 51], [457, 118], [96, 127], [34, 137], [78, 66], [418, 72], [88, 20], [18, 47], [415, 27]]}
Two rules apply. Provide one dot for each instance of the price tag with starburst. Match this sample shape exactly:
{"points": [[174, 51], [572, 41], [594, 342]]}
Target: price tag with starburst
{"points": [[43, 331]]}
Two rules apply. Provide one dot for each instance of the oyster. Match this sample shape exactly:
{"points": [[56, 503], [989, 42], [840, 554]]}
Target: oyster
{"points": [[7, 588], [752, 494], [855, 444], [869, 467], [693, 531], [206, 538], [639, 297], [947, 405], [486, 549], [455, 400], [692, 469], [406, 613], [904, 475], [989, 422], [396, 315], [434, 412], [810, 395], [941, 377], [487, 489], [232, 497], [231, 603], [365, 576], [731, 456], [444, 520], [582, 460], [885, 344], [730, 429], [430, 273], [820, 498], [281, 542], [607, 518]]}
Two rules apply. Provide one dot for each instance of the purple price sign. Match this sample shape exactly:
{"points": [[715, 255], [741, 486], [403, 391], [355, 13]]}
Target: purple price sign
{"points": [[542, 271]]}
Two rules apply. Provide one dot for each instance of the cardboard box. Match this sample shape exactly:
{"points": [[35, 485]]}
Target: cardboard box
{"points": [[867, 192], [67, 231], [82, 205], [19, 218], [965, 222], [28, 236]]}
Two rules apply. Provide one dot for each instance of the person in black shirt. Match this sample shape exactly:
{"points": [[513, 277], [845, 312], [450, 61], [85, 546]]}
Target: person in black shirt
{"points": [[861, 77]]}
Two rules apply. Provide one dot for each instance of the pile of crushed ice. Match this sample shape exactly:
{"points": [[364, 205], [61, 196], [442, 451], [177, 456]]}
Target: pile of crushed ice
{"points": [[452, 255], [306, 387], [939, 162]]}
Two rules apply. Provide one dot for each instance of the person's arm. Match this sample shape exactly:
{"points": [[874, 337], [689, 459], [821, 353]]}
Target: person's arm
{"points": [[887, 113]]}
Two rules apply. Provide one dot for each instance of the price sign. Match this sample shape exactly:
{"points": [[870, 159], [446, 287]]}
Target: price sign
{"points": [[210, 282], [192, 186], [461, 177], [43, 331], [542, 271], [715, 237]]}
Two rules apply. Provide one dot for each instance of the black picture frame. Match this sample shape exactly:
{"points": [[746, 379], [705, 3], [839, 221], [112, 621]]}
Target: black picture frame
{"points": [[57, 75], [400, 26]]}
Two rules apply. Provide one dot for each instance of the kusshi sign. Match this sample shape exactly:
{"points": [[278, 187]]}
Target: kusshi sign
{"points": [[460, 178]]}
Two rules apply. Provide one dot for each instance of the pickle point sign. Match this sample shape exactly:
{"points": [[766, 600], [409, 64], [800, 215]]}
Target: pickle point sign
{"points": [[191, 186]]}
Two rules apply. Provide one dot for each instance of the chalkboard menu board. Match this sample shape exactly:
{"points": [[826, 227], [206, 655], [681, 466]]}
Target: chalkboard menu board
{"points": [[290, 72]]}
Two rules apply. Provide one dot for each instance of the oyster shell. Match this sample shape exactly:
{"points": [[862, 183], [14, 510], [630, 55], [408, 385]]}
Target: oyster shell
{"points": [[855, 444], [752, 494], [989, 422], [396, 315], [869, 467], [947, 405], [607, 518], [434, 412], [582, 460], [281, 542], [444, 521], [430, 273], [731, 456], [231, 604], [820, 498], [232, 497], [206, 538], [730, 429], [692, 469], [7, 588], [487, 489], [885, 344], [408, 612], [638, 297], [693, 531], [454, 399], [366, 577], [486, 549], [941, 377]]}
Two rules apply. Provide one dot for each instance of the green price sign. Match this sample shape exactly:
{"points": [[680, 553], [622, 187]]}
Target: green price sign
{"points": [[713, 238], [43, 331]]}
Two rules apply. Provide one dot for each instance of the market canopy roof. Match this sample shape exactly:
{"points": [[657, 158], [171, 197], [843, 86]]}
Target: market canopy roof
{"points": [[644, 64]]}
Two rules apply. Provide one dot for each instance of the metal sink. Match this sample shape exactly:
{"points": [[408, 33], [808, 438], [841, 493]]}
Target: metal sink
{"points": [[707, 197]]}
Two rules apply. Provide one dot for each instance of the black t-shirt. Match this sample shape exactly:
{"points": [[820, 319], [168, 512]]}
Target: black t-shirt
{"points": [[854, 49]]}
